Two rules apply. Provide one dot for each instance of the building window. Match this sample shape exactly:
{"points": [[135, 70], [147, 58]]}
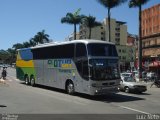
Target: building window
{"points": [[120, 50], [123, 57], [117, 29], [123, 51], [117, 34], [102, 38]]}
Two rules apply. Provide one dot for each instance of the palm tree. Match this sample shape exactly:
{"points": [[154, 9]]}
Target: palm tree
{"points": [[26, 44], [32, 42], [73, 18], [41, 37], [109, 4], [134, 4], [18, 46], [90, 22]]}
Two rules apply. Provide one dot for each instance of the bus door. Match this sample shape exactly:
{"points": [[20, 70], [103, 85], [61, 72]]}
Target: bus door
{"points": [[83, 81], [85, 75], [82, 66]]}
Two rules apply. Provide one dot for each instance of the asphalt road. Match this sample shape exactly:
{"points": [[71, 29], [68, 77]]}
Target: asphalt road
{"points": [[18, 98]]}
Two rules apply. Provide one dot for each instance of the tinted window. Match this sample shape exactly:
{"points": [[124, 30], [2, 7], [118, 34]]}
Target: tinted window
{"points": [[96, 49], [104, 69], [81, 50], [60, 51], [82, 67]]}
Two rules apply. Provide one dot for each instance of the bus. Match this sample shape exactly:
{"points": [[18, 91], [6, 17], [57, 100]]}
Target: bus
{"points": [[83, 66]]}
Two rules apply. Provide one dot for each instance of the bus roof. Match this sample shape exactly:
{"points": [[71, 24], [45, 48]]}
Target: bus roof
{"points": [[85, 41]]}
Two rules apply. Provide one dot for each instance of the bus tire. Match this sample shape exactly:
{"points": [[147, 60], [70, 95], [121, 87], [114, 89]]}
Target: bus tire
{"points": [[26, 79], [32, 81], [70, 88]]}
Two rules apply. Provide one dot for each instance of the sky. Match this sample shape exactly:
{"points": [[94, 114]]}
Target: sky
{"points": [[20, 20]]}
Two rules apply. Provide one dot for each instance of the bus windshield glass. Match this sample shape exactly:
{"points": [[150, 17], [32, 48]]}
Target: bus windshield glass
{"points": [[98, 49], [104, 69]]}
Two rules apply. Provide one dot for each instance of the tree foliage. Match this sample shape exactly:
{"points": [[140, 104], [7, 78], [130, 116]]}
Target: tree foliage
{"points": [[109, 4], [90, 22], [73, 19], [9, 56]]}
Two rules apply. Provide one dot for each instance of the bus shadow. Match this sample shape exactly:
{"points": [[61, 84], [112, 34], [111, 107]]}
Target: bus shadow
{"points": [[46, 88], [112, 98], [102, 98]]}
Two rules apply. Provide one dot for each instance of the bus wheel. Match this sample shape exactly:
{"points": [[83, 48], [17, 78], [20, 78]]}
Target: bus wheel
{"points": [[32, 81], [26, 80], [70, 88]]}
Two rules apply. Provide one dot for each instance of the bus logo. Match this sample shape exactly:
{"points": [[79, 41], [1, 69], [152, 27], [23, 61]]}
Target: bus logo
{"points": [[59, 63]]}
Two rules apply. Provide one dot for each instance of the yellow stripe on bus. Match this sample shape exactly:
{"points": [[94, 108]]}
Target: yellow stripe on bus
{"points": [[22, 63]]}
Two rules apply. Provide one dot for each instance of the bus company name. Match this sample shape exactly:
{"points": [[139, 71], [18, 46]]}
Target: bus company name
{"points": [[60, 63]]}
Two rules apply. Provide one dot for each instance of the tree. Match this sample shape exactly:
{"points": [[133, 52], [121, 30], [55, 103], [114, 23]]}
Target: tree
{"points": [[26, 44], [4, 55], [18, 46], [41, 37], [73, 18], [109, 4], [12, 56], [32, 42], [134, 4], [90, 22]]}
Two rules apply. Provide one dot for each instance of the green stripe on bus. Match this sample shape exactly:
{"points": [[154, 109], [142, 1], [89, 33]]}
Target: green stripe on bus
{"points": [[21, 71]]}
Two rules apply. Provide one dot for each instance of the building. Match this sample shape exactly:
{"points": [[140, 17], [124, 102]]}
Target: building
{"points": [[71, 37], [132, 40], [118, 36], [151, 37], [97, 33]]}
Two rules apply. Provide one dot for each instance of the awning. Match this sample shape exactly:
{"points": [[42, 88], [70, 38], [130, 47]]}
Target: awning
{"points": [[155, 64]]}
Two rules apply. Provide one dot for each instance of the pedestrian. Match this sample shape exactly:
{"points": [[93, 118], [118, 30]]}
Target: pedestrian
{"points": [[156, 82], [4, 73]]}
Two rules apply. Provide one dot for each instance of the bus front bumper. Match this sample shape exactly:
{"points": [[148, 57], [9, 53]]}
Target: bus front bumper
{"points": [[104, 91]]}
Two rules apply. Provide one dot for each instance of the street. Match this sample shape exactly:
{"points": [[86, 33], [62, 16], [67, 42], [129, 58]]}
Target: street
{"points": [[18, 98]]}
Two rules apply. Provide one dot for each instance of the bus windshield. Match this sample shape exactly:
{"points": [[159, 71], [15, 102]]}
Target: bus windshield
{"points": [[98, 49], [104, 69]]}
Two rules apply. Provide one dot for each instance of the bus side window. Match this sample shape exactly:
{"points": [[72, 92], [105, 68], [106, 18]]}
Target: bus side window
{"points": [[81, 50]]}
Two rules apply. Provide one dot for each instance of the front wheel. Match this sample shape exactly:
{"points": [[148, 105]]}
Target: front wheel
{"points": [[70, 88]]}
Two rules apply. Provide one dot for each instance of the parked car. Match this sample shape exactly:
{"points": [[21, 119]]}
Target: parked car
{"points": [[151, 75], [125, 74], [128, 84]]}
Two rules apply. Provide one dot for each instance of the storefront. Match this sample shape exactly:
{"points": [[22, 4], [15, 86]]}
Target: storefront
{"points": [[155, 67]]}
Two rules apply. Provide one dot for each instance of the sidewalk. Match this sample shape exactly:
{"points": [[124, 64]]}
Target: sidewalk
{"points": [[3, 83]]}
